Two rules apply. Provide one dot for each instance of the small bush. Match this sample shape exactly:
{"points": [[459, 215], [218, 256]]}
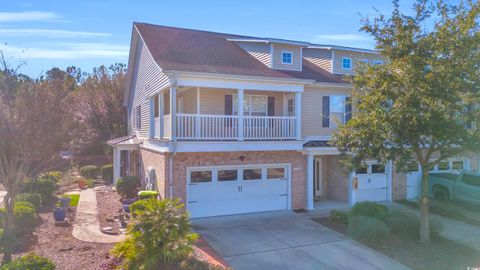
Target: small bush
{"points": [[146, 194], [25, 217], [407, 224], [44, 187], [34, 198], [30, 262], [370, 209], [127, 186], [53, 175], [140, 205], [339, 217], [90, 171], [107, 173], [368, 229]]}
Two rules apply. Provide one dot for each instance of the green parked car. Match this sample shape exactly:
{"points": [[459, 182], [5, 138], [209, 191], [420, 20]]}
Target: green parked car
{"points": [[463, 186]]}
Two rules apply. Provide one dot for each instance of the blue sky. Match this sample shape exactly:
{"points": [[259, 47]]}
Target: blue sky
{"points": [[48, 34]]}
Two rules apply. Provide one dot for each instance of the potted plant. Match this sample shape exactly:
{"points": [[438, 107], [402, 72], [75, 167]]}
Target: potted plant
{"points": [[59, 213], [82, 184], [65, 201]]}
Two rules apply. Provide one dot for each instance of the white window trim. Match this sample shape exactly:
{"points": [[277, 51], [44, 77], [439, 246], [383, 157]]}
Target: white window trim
{"points": [[350, 59], [291, 57], [249, 97], [344, 110]]}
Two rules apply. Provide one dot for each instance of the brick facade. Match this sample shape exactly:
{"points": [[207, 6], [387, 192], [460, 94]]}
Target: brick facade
{"points": [[336, 178], [159, 162]]}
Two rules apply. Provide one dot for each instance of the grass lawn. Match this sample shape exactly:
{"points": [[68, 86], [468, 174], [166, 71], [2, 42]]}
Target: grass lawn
{"points": [[74, 199]]}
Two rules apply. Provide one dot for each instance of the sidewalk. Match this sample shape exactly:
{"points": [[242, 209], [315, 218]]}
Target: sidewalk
{"points": [[454, 230], [87, 226]]}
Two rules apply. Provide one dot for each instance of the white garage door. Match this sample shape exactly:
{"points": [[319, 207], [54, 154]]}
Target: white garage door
{"points": [[414, 175], [372, 183], [234, 190]]}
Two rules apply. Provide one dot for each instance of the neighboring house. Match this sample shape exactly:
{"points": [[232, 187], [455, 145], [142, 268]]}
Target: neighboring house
{"points": [[236, 124]]}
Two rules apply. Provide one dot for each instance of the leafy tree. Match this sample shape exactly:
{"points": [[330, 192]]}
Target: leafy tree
{"points": [[159, 236], [31, 134], [424, 99]]}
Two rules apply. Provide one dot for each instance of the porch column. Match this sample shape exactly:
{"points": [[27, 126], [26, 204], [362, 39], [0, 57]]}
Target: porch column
{"points": [[116, 164], [310, 205], [161, 113], [173, 112], [152, 127], [197, 118], [240, 113], [298, 115]]}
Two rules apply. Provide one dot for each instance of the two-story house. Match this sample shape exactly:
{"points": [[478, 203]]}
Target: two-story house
{"points": [[237, 124]]}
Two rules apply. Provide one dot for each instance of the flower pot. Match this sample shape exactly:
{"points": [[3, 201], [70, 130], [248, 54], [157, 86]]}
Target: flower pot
{"points": [[65, 201], [59, 214]]}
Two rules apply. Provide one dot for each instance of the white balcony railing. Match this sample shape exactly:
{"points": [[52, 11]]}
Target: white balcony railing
{"points": [[167, 130], [268, 127]]}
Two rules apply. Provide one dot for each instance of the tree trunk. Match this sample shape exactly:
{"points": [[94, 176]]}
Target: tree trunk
{"points": [[8, 230], [423, 205]]}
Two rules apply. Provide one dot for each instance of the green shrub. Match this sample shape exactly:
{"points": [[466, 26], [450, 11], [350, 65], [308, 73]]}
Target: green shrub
{"points": [[25, 217], [339, 217], [90, 171], [29, 262], [370, 209], [146, 194], [53, 175], [44, 187], [127, 186], [159, 235], [368, 229], [406, 224], [34, 198], [138, 206], [107, 173]]}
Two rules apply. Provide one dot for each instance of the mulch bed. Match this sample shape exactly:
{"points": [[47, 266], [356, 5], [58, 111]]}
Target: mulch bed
{"points": [[108, 206], [325, 221], [58, 244]]}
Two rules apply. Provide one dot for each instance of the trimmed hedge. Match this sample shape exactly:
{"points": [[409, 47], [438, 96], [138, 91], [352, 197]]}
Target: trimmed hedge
{"points": [[370, 209], [30, 262], [107, 173], [127, 186], [25, 217], [90, 171], [368, 229], [34, 198], [407, 224], [45, 187], [339, 217], [147, 194]]}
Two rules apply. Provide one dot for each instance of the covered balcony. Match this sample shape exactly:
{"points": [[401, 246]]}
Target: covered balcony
{"points": [[221, 114]]}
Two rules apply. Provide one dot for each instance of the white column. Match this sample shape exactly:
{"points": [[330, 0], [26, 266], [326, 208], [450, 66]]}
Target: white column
{"points": [[197, 118], [310, 205], [298, 115], [161, 113], [116, 164], [151, 127], [240, 113], [173, 112], [389, 180]]}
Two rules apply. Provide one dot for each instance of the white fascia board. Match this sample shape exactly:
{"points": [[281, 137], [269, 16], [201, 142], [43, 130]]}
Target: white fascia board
{"points": [[233, 146], [323, 151], [240, 82], [318, 138], [131, 63], [341, 48], [337, 85], [270, 40], [157, 146]]}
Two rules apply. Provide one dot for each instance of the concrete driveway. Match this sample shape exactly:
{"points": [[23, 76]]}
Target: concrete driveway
{"points": [[286, 240]]}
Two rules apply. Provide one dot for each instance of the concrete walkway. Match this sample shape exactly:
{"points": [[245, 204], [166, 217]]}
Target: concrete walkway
{"points": [[454, 230], [286, 240], [87, 226]]}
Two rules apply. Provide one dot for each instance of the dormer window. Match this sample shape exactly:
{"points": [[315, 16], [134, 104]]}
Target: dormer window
{"points": [[287, 58], [346, 63]]}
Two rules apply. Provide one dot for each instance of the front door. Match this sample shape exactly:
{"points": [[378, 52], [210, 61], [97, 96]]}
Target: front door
{"points": [[318, 178]]}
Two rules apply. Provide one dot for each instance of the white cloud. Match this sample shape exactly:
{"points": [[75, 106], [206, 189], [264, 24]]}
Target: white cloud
{"points": [[49, 33], [68, 51], [342, 37], [28, 16]]}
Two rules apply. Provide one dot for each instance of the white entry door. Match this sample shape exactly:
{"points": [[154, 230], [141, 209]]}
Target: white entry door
{"points": [[372, 183], [234, 190]]}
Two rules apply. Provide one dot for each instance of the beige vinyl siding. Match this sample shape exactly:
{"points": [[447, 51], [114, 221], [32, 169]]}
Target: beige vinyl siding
{"points": [[212, 101], [147, 80], [312, 109], [296, 51], [261, 51], [355, 56], [319, 57]]}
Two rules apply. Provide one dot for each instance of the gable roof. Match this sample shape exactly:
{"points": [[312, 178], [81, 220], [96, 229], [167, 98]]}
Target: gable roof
{"points": [[180, 49]]}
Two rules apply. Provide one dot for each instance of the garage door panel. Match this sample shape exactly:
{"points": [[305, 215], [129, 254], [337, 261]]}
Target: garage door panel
{"points": [[374, 195], [372, 184]]}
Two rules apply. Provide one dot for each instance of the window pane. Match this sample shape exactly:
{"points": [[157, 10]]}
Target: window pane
{"points": [[275, 173], [412, 167], [473, 180], [337, 104], [443, 166], [252, 174], [227, 175], [361, 170], [378, 168], [346, 63], [201, 177], [259, 105], [457, 165]]}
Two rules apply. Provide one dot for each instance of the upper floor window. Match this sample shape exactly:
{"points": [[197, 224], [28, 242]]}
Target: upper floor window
{"points": [[346, 63], [287, 58], [336, 110], [377, 62]]}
